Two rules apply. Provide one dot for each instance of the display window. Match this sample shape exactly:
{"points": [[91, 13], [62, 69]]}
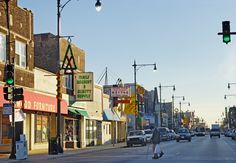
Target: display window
{"points": [[41, 128]]}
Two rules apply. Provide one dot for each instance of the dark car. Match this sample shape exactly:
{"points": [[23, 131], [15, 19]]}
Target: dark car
{"points": [[183, 134]]}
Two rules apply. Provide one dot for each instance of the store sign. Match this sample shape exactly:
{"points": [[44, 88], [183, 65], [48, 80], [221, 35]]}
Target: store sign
{"points": [[37, 102], [84, 86], [120, 92]]}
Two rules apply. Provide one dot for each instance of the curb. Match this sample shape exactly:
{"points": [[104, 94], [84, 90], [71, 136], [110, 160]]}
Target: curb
{"points": [[44, 156]]}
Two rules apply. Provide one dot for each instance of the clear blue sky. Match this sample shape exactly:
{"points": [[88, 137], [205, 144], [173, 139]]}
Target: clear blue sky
{"points": [[179, 35]]}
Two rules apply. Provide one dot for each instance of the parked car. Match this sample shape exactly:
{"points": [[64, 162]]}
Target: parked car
{"points": [[183, 134], [172, 134], [148, 133], [136, 137], [192, 133], [164, 133], [233, 135]]}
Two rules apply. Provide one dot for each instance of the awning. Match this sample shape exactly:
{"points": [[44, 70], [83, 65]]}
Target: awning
{"points": [[109, 115], [77, 111]]}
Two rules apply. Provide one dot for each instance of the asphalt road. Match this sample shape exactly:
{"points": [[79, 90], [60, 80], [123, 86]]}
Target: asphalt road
{"points": [[200, 149]]}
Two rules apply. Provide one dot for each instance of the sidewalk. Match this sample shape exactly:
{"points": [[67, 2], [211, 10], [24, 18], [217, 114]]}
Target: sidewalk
{"points": [[37, 155]]}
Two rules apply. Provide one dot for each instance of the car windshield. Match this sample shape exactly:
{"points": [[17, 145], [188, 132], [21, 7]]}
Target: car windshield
{"points": [[132, 133], [148, 132], [162, 130], [183, 130]]}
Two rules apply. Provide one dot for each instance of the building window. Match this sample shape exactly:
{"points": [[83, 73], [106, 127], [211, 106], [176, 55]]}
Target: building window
{"points": [[20, 53], [11, 20], [41, 128], [69, 130], [2, 47], [68, 81]]}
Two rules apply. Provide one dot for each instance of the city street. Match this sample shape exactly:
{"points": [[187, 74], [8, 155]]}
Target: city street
{"points": [[201, 149]]}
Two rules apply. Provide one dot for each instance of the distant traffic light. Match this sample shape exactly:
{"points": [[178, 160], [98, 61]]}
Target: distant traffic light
{"points": [[226, 31], [18, 94], [9, 74], [7, 93]]}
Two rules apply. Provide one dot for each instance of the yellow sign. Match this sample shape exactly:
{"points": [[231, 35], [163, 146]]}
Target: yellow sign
{"points": [[130, 108], [140, 90]]}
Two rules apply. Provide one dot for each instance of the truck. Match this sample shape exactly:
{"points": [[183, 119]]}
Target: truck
{"points": [[215, 130]]}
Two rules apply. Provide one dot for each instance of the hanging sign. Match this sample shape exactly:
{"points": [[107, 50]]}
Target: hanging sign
{"points": [[69, 61], [84, 86]]}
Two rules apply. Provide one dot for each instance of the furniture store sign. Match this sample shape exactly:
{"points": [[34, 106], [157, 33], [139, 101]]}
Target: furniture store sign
{"points": [[84, 86]]}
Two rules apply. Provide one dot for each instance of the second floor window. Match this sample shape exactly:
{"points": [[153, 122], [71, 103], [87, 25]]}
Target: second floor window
{"points": [[20, 54], [2, 47]]}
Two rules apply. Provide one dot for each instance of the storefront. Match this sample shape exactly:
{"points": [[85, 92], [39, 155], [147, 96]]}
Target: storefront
{"points": [[35, 117], [93, 132], [73, 128]]}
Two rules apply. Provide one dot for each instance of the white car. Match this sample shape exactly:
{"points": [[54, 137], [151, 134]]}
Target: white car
{"points": [[148, 133], [136, 137]]}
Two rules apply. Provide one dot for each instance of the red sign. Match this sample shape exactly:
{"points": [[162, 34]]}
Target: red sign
{"points": [[122, 101], [37, 102], [120, 92]]}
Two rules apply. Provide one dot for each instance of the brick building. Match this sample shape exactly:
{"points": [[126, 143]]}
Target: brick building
{"points": [[21, 51]]}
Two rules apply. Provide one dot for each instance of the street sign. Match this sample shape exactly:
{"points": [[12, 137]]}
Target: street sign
{"points": [[7, 109]]}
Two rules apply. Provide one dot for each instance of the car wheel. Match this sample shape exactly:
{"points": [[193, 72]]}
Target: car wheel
{"points": [[177, 140], [189, 140]]}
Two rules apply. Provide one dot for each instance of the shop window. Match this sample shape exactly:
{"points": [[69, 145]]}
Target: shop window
{"points": [[69, 130], [41, 128], [2, 47]]}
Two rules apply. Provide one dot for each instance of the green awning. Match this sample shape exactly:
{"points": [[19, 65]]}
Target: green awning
{"points": [[82, 112], [77, 111], [72, 110]]}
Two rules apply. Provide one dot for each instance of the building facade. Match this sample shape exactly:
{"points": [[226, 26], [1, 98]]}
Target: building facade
{"points": [[21, 54]]}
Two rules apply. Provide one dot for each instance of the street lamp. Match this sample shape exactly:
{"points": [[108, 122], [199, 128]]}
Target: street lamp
{"points": [[173, 106], [160, 86], [230, 84], [60, 8], [136, 68], [98, 6], [225, 96]]}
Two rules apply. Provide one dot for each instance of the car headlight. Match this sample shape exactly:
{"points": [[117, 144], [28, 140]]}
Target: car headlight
{"points": [[127, 139]]}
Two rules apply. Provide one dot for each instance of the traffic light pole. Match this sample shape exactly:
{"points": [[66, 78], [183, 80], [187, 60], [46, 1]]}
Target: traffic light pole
{"points": [[13, 144]]}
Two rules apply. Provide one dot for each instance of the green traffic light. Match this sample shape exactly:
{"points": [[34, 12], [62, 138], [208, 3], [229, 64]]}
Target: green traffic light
{"points": [[9, 81], [226, 39]]}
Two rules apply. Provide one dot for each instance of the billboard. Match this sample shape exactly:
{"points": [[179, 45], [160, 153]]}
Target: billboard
{"points": [[84, 86]]}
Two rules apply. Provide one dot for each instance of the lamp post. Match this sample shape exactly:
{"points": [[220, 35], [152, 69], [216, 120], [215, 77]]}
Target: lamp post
{"points": [[173, 106], [161, 86], [136, 68], [225, 96], [230, 84], [60, 8]]}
